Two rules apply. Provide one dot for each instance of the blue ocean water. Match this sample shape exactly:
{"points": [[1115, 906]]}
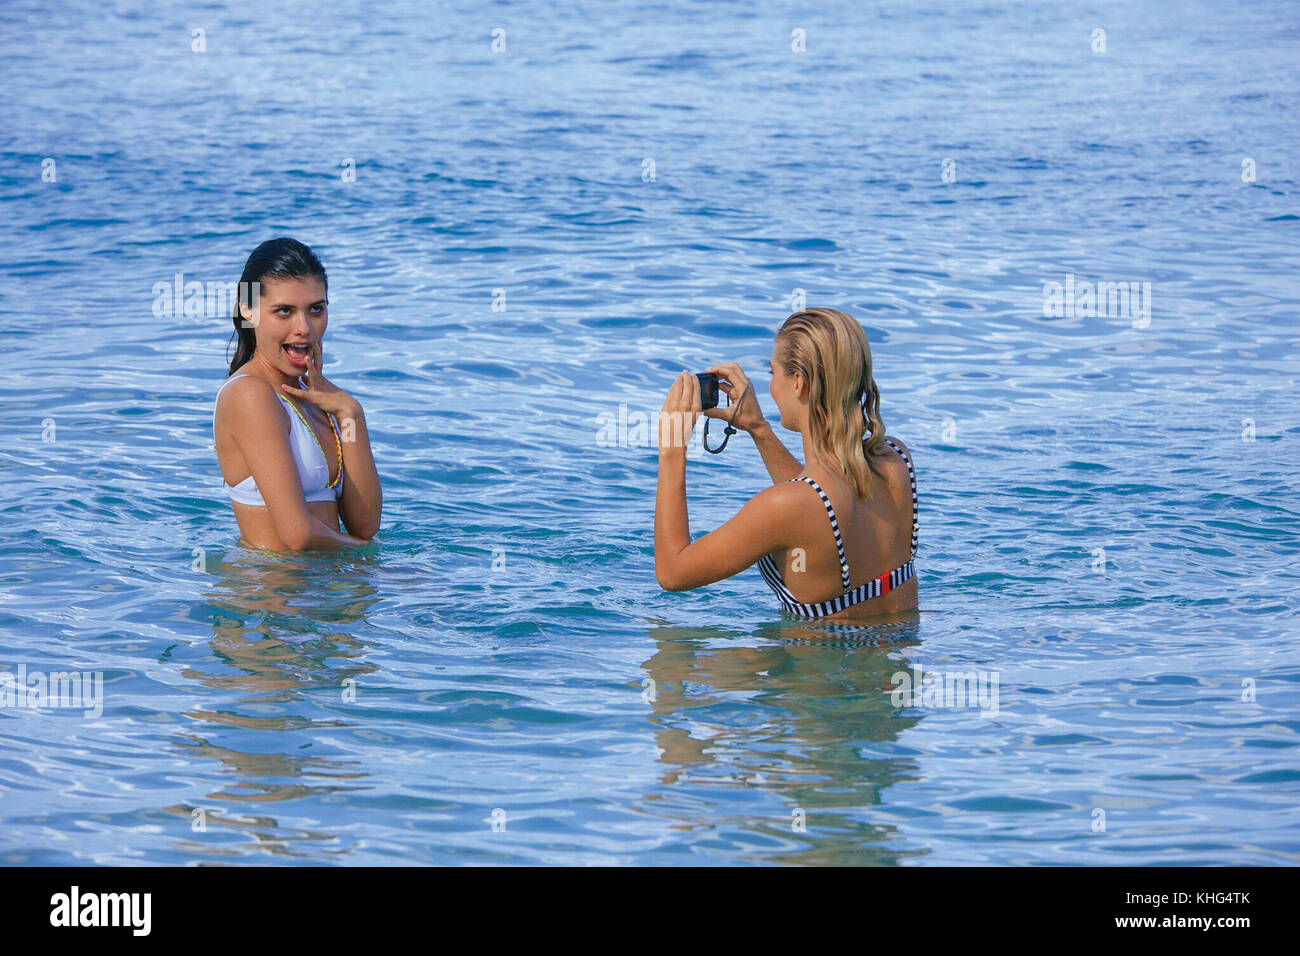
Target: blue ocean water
{"points": [[525, 242]]}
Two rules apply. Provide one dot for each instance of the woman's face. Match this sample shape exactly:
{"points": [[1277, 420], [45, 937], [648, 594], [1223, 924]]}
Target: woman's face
{"points": [[290, 319], [786, 392]]}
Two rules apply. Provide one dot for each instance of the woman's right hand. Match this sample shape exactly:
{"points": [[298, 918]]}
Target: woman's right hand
{"points": [[739, 389]]}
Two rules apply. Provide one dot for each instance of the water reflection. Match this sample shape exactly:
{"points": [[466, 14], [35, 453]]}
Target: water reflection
{"points": [[284, 658], [291, 592], [284, 622], [800, 711]]}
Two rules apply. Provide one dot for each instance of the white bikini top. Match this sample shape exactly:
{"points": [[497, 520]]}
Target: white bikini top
{"points": [[313, 466]]}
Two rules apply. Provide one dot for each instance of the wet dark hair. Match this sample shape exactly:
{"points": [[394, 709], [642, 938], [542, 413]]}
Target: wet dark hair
{"points": [[281, 258]]}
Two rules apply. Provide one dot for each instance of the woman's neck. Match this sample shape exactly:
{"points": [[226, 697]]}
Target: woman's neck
{"points": [[809, 456], [259, 367], [812, 460]]}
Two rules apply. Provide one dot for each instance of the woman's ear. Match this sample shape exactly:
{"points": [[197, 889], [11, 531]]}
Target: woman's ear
{"points": [[247, 314]]}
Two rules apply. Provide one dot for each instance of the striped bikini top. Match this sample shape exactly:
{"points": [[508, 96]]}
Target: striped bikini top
{"points": [[851, 595]]}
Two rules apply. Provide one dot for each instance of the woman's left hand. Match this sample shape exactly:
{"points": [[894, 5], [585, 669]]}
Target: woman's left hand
{"points": [[320, 391], [680, 411]]}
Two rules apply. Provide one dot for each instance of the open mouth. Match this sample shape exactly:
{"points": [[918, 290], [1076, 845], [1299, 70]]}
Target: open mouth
{"points": [[298, 353]]}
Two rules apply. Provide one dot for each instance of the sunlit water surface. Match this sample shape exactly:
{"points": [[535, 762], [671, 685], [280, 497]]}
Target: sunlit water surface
{"points": [[1108, 510]]}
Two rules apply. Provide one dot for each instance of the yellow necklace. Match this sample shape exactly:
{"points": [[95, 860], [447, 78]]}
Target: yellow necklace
{"points": [[338, 445]]}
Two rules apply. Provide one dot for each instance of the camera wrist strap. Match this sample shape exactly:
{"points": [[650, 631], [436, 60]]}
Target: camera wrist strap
{"points": [[729, 430]]}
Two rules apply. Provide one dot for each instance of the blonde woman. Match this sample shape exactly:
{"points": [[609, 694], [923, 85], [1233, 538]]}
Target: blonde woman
{"points": [[835, 536]]}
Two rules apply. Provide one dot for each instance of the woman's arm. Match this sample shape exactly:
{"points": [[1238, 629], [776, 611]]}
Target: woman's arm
{"points": [[362, 500], [764, 525], [258, 425], [780, 464]]}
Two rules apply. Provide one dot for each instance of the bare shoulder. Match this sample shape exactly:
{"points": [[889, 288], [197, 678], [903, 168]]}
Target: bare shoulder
{"points": [[249, 400], [780, 514], [246, 392], [788, 503], [778, 498], [901, 444]]}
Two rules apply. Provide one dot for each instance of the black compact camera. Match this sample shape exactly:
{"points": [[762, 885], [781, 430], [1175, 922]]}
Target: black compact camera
{"points": [[708, 389]]}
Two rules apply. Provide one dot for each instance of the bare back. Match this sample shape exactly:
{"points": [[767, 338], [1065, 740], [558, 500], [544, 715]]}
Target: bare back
{"points": [[876, 534]]}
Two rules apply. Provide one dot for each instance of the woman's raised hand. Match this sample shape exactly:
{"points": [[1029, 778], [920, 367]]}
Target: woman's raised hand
{"points": [[320, 391], [740, 390], [681, 408]]}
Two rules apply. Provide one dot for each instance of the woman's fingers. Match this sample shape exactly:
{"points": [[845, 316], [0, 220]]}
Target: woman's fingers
{"points": [[684, 393], [307, 395], [730, 371], [671, 400]]}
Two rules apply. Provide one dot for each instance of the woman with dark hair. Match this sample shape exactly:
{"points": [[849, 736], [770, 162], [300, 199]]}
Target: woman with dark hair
{"points": [[843, 553], [285, 435]]}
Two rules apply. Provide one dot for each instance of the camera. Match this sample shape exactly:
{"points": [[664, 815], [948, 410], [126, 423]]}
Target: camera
{"points": [[708, 389]]}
